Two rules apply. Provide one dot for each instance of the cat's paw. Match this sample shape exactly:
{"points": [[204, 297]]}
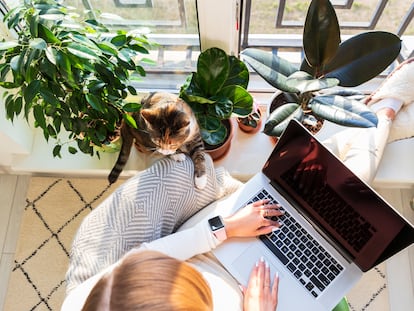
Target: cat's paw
{"points": [[179, 157], [201, 182]]}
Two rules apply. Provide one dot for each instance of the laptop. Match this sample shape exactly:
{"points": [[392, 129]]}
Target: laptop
{"points": [[335, 226]]}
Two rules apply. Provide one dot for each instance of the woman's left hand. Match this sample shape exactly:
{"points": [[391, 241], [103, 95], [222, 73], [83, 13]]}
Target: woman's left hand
{"points": [[253, 220], [260, 294]]}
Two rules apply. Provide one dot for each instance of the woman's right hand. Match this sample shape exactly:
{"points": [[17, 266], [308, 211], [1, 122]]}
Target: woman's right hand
{"points": [[261, 294], [253, 220]]}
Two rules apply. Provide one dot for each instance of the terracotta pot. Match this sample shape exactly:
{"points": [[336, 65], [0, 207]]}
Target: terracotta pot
{"points": [[219, 151], [247, 128]]}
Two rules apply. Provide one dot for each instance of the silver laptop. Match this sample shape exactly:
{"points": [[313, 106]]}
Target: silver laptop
{"points": [[335, 226]]}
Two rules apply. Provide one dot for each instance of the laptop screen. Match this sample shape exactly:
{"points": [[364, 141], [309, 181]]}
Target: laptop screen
{"points": [[335, 201]]}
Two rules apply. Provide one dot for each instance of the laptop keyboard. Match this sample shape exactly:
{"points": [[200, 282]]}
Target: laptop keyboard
{"points": [[302, 255]]}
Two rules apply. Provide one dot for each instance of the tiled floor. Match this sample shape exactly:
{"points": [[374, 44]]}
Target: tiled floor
{"points": [[13, 191]]}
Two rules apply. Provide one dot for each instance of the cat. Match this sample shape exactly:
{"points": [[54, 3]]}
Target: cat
{"points": [[166, 125]]}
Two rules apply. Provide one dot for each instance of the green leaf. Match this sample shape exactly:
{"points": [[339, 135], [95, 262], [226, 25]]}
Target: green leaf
{"points": [[83, 51], [241, 99], [272, 68], [343, 111], [47, 35], [8, 45], [321, 33], [72, 150], [221, 108], [280, 117], [95, 102], [56, 151], [363, 57], [132, 107], [212, 130], [304, 82], [38, 43], [39, 116], [212, 70], [238, 73], [130, 120], [31, 91]]}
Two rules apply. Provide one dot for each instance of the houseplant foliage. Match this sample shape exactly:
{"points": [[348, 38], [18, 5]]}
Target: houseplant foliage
{"points": [[69, 73], [328, 63], [216, 92]]}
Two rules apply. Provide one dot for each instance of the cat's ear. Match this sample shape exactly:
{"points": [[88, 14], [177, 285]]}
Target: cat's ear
{"points": [[148, 115]]}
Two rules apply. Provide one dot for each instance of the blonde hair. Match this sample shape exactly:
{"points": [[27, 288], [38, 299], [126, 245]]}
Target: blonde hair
{"points": [[149, 280]]}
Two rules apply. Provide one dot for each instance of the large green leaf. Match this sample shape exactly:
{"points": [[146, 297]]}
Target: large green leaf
{"points": [[213, 68], [304, 82], [343, 111], [363, 57], [238, 73], [280, 117], [321, 33], [241, 99], [272, 68], [221, 108], [212, 130]]}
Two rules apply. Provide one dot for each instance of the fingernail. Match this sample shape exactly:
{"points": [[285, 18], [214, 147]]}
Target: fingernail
{"points": [[257, 264], [266, 264], [277, 274], [261, 259], [274, 229]]}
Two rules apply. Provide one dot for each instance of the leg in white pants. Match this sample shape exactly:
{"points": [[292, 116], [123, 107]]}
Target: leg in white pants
{"points": [[361, 149]]}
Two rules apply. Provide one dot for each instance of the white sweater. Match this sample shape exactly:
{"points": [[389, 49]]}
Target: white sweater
{"points": [[192, 245]]}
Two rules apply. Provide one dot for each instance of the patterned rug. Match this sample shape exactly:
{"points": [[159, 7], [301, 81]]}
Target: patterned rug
{"points": [[54, 209]]}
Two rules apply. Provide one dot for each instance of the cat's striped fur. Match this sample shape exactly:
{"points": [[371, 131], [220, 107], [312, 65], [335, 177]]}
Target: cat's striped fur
{"points": [[166, 125]]}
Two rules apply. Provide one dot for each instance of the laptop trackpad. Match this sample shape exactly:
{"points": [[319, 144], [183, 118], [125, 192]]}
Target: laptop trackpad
{"points": [[244, 264]]}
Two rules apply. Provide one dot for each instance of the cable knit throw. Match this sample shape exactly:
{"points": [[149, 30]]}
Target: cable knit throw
{"points": [[150, 205]]}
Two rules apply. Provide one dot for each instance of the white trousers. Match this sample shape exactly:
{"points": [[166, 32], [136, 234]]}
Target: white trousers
{"points": [[361, 149]]}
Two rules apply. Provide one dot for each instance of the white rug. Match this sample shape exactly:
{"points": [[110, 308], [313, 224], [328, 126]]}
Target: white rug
{"points": [[55, 207]]}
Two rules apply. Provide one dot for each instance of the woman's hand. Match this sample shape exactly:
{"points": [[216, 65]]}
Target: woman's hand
{"points": [[260, 294], [253, 220]]}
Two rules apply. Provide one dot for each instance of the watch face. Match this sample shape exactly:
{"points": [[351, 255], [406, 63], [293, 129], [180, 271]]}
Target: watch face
{"points": [[215, 223]]}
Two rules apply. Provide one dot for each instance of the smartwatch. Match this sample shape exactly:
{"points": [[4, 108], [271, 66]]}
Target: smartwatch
{"points": [[217, 227]]}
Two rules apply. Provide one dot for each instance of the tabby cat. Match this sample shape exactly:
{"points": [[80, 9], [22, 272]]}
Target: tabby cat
{"points": [[166, 125]]}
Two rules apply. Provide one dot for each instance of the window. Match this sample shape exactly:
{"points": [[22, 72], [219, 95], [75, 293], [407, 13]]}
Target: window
{"points": [[278, 25], [172, 24]]}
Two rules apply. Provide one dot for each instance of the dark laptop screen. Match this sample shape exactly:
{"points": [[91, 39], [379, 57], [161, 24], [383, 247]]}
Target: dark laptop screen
{"points": [[332, 198]]}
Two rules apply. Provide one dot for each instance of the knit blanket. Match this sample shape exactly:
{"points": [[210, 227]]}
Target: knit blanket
{"points": [[150, 205]]}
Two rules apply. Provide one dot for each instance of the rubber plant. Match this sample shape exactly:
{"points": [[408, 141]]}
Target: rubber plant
{"points": [[317, 88], [216, 92], [69, 75]]}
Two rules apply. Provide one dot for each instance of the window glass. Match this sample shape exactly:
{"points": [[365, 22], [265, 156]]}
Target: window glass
{"points": [[172, 24], [278, 25]]}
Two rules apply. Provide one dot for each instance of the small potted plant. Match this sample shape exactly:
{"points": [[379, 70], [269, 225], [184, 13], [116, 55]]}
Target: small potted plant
{"points": [[69, 74], [252, 122], [217, 92], [328, 64]]}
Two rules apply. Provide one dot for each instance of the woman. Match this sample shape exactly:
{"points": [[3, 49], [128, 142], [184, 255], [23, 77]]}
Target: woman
{"points": [[148, 278]]}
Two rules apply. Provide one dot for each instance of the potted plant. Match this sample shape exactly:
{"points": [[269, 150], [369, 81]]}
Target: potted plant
{"points": [[217, 92], [69, 74], [327, 64], [252, 122]]}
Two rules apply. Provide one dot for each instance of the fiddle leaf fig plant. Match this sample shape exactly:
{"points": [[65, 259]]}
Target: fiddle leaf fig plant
{"points": [[318, 85], [217, 91], [69, 75]]}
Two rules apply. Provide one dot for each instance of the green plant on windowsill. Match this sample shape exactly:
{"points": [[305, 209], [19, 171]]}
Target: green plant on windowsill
{"points": [[216, 92], [317, 88], [69, 74]]}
